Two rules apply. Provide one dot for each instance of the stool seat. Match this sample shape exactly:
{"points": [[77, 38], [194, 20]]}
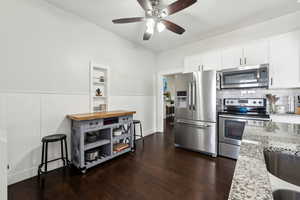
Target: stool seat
{"points": [[136, 121], [54, 138]]}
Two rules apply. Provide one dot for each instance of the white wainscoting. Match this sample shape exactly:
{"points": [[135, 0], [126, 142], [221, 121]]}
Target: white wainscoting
{"points": [[3, 175], [3, 150], [28, 117]]}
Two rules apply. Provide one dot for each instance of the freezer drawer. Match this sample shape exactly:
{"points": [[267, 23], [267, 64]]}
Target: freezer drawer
{"points": [[197, 136]]}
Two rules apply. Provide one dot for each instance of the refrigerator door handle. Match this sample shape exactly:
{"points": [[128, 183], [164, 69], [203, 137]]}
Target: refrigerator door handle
{"points": [[194, 95], [190, 96], [194, 124]]}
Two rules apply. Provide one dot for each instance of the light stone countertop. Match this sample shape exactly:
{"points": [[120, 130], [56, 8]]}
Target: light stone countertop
{"points": [[251, 180]]}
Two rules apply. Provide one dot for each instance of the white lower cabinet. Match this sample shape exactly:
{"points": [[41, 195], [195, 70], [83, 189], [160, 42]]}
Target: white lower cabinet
{"points": [[284, 61]]}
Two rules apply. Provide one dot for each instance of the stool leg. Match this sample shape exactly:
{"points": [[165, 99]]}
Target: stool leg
{"points": [[141, 129], [42, 161], [62, 152], [66, 147], [134, 137], [46, 158]]}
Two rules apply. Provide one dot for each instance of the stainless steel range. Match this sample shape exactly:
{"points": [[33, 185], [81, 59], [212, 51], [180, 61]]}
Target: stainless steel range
{"points": [[236, 113]]}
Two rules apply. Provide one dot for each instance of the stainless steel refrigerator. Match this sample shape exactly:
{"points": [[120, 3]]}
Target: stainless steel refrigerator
{"points": [[195, 112]]}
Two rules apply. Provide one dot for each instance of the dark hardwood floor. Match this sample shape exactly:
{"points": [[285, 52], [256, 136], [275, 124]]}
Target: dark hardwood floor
{"points": [[157, 171]]}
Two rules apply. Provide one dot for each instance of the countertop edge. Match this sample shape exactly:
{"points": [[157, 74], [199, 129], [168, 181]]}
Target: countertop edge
{"points": [[99, 115]]}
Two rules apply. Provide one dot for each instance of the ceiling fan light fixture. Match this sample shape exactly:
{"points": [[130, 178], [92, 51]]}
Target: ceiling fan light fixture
{"points": [[150, 25], [155, 14], [160, 27]]}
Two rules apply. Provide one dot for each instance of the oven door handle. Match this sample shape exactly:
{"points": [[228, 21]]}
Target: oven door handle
{"points": [[246, 118]]}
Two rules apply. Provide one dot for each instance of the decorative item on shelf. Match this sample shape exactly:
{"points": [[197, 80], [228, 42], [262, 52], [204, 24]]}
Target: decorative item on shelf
{"points": [[91, 155], [103, 107], [272, 101], [91, 137], [102, 79], [118, 131], [120, 147], [126, 128], [99, 92]]}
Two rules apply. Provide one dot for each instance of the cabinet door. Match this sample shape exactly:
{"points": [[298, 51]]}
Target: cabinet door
{"points": [[284, 61], [232, 57], [192, 63], [212, 60], [256, 53]]}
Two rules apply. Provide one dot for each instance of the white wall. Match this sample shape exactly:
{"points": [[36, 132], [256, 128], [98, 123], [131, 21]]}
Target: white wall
{"points": [[172, 61], [44, 75]]}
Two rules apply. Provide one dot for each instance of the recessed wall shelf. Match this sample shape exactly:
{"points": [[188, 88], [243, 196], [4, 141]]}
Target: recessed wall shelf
{"points": [[99, 79]]}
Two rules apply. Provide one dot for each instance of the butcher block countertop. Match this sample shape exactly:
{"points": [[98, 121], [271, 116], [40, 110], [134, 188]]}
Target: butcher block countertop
{"points": [[100, 115]]}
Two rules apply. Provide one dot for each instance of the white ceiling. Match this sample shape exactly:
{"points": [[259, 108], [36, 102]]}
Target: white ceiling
{"points": [[203, 19]]}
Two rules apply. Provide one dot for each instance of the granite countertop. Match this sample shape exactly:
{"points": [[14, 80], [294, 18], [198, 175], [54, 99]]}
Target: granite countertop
{"points": [[251, 178]]}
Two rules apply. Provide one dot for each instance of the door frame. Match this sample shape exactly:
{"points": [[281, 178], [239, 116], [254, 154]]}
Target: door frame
{"points": [[159, 96]]}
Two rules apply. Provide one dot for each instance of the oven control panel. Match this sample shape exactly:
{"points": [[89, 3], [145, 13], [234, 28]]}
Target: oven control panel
{"points": [[257, 102]]}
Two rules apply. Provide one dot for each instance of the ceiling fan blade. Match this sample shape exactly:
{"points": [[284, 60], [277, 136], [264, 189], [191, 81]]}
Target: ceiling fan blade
{"points": [[145, 4], [173, 27], [128, 20], [178, 6]]}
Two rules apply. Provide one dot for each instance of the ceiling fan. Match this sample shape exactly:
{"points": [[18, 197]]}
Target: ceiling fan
{"points": [[155, 14]]}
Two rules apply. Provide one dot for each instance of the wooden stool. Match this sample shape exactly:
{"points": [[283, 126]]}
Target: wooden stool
{"points": [[50, 139]]}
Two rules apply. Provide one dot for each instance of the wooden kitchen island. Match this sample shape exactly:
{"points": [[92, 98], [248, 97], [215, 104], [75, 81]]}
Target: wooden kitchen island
{"points": [[98, 137]]}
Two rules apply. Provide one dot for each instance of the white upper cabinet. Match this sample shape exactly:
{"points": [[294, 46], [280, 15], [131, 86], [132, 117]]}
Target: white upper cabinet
{"points": [[253, 53], [232, 57], [192, 63], [211, 60], [256, 53], [284, 60]]}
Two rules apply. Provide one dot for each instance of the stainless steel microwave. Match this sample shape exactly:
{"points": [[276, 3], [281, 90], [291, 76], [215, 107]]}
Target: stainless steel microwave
{"points": [[245, 77]]}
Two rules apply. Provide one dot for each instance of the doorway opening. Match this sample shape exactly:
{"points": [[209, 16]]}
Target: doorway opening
{"points": [[169, 95]]}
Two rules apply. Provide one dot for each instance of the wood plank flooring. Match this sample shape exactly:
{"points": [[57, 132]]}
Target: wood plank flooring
{"points": [[159, 171]]}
